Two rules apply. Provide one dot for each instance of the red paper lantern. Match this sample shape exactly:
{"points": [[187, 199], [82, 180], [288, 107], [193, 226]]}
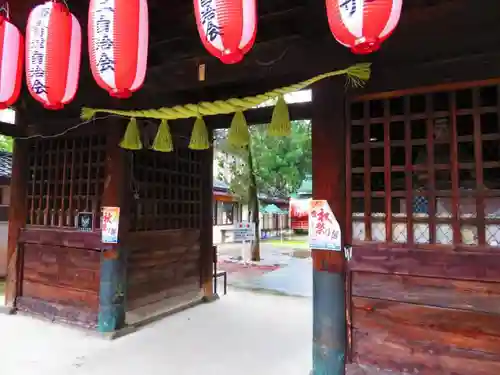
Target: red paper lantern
{"points": [[118, 44], [363, 25], [53, 54], [11, 62], [227, 27]]}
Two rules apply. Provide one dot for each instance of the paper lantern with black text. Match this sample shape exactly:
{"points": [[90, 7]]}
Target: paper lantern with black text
{"points": [[118, 44], [227, 27], [363, 25], [11, 62], [53, 54]]}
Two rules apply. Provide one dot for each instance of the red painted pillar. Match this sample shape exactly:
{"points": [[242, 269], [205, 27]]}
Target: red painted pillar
{"points": [[329, 150]]}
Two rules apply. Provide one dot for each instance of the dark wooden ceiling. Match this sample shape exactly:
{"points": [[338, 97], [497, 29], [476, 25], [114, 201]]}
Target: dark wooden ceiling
{"points": [[293, 42]]}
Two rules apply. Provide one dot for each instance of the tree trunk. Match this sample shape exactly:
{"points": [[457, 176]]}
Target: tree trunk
{"points": [[254, 207]]}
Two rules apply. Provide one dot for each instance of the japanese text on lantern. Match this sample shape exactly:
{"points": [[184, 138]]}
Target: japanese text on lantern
{"points": [[349, 6], [38, 53], [324, 229], [103, 43], [208, 19]]}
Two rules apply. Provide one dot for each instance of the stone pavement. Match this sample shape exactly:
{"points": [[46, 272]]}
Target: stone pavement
{"points": [[280, 271], [243, 333]]}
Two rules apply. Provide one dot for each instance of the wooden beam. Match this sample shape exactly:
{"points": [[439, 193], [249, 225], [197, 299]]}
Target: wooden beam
{"points": [[329, 297], [113, 283], [259, 116], [443, 75], [289, 55], [18, 211], [206, 234], [11, 130], [304, 54]]}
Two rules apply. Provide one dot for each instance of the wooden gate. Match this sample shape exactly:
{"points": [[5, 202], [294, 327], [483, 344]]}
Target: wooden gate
{"points": [[423, 214]]}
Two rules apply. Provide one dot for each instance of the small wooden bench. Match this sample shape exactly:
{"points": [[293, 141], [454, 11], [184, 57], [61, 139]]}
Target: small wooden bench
{"points": [[218, 274]]}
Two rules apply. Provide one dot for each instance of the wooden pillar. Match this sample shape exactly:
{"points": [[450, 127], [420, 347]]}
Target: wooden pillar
{"points": [[329, 315], [17, 218], [113, 283], [206, 234]]}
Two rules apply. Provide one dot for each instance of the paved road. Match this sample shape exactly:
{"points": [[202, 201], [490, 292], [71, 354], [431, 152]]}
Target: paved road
{"points": [[282, 270]]}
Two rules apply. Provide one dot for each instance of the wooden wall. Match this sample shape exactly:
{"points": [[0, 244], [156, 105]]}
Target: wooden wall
{"points": [[426, 312], [60, 275], [161, 265], [433, 310]]}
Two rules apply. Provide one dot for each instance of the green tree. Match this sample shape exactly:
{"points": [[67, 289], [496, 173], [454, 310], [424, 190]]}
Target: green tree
{"points": [[6, 143], [281, 163], [270, 165]]}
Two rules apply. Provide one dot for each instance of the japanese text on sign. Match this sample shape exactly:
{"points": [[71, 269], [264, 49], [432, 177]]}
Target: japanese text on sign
{"points": [[103, 36], [37, 52], [110, 224], [324, 229], [208, 19], [244, 231]]}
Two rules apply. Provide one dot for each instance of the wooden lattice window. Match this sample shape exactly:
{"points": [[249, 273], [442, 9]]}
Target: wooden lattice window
{"points": [[167, 190], [424, 168], [66, 177]]}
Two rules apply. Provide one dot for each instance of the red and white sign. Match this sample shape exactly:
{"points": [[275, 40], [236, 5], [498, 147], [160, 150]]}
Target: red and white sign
{"points": [[363, 25], [110, 222], [227, 28], [299, 213], [118, 44], [244, 231], [11, 62], [324, 229], [53, 54]]}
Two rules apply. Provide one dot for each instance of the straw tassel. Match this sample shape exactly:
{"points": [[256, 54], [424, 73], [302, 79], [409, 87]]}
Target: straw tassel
{"points": [[132, 138], [280, 124], [199, 136], [87, 114], [163, 140], [238, 134], [358, 75]]}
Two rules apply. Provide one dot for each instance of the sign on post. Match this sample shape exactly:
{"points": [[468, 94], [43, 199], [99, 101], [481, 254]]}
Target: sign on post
{"points": [[324, 229], [109, 225], [244, 231]]}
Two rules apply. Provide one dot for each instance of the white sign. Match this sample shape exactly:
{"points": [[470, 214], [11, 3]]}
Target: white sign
{"points": [[324, 229], [244, 231]]}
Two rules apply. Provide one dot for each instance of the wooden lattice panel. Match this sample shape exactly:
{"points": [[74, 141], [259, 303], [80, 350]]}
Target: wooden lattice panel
{"points": [[167, 190], [66, 177], [424, 167]]}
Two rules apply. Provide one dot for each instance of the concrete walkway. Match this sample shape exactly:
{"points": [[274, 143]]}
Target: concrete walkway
{"points": [[279, 271], [293, 279], [243, 333]]}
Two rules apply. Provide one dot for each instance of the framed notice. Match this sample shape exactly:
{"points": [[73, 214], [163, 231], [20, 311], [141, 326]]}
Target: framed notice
{"points": [[109, 224], [85, 221], [324, 229]]}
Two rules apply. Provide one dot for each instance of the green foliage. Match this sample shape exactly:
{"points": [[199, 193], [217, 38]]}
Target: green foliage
{"points": [[6, 143], [239, 170], [280, 163]]}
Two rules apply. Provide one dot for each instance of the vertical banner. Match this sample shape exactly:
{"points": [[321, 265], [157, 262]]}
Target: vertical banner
{"points": [[109, 224], [324, 229]]}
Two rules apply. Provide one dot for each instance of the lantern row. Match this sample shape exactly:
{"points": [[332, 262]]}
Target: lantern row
{"points": [[118, 42]]}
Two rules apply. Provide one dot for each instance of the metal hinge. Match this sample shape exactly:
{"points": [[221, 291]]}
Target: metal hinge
{"points": [[348, 252]]}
